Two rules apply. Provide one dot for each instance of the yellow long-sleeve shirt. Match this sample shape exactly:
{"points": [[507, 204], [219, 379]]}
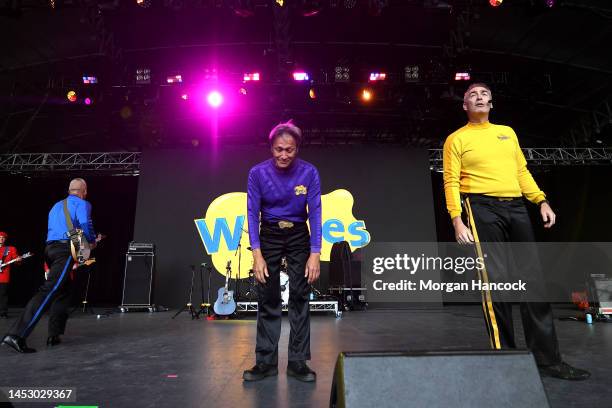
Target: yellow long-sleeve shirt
{"points": [[486, 159]]}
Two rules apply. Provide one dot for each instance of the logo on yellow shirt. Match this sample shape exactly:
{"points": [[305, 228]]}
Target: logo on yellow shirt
{"points": [[503, 137], [301, 189]]}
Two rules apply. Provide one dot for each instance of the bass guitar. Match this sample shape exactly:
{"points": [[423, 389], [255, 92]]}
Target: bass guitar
{"points": [[225, 304]]}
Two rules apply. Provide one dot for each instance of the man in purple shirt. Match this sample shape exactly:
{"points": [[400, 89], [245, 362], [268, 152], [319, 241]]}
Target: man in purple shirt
{"points": [[283, 192]]}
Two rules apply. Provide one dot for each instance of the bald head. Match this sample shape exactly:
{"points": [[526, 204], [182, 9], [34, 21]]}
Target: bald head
{"points": [[78, 187]]}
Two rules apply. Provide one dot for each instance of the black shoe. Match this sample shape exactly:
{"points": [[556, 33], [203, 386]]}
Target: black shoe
{"points": [[53, 340], [259, 372], [301, 371], [17, 343], [564, 371]]}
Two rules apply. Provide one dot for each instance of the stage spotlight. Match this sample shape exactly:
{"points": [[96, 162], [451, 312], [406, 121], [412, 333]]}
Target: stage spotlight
{"points": [[312, 94], [251, 76], [367, 95], [242, 91], [71, 96], [411, 73], [496, 3], [174, 79], [300, 76], [342, 74], [377, 76], [462, 76], [214, 99], [88, 80], [144, 3], [184, 96], [143, 76], [125, 112], [549, 3], [88, 101]]}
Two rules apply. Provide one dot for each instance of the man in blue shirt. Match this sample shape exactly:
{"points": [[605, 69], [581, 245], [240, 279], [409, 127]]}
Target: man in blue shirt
{"points": [[55, 292], [282, 193]]}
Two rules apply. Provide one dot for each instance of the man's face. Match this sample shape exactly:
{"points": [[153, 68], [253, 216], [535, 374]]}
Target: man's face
{"points": [[2, 239], [477, 100], [284, 150]]}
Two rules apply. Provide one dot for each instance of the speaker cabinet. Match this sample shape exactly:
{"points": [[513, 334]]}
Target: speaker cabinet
{"points": [[138, 279], [438, 379]]}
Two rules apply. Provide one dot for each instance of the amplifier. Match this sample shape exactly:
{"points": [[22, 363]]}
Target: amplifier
{"points": [[141, 247]]}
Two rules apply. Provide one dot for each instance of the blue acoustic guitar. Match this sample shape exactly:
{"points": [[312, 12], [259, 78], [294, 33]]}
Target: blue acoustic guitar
{"points": [[225, 304]]}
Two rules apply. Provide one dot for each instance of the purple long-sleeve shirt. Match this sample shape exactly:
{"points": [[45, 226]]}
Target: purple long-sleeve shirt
{"points": [[282, 195]]}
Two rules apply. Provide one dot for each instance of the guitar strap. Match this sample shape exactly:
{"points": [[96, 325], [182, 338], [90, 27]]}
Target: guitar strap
{"points": [[72, 233], [67, 215], [5, 254]]}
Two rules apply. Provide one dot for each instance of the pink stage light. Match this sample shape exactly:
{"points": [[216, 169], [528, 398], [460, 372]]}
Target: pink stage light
{"points": [[462, 76], [300, 76], [214, 99], [184, 96], [174, 79], [251, 76], [377, 76], [88, 101]]}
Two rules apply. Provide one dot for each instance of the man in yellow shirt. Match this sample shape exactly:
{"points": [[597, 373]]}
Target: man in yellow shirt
{"points": [[484, 166]]}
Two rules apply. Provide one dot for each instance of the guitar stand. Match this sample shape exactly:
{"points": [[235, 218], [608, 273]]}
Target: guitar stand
{"points": [[205, 308], [189, 306], [252, 291]]}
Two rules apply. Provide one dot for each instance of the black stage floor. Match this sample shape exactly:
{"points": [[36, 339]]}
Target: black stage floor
{"points": [[150, 360]]}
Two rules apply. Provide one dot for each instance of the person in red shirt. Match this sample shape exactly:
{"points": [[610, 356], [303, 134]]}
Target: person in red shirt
{"points": [[7, 253]]}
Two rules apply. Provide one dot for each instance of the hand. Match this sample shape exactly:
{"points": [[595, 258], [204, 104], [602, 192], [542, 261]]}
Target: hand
{"points": [[313, 268], [18, 259], [463, 235], [548, 215], [259, 266]]}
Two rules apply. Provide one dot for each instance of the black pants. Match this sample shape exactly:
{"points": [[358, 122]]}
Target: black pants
{"points": [[3, 298], [54, 294], [294, 244], [494, 220]]}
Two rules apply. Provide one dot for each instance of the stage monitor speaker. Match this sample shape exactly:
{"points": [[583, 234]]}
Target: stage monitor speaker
{"points": [[138, 279], [492, 378]]}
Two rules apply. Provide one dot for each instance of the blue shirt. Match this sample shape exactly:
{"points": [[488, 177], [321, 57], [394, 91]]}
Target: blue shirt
{"points": [[282, 195], [80, 214]]}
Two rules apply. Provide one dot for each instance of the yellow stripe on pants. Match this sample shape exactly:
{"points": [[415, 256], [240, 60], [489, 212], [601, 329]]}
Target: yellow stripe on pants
{"points": [[487, 303]]}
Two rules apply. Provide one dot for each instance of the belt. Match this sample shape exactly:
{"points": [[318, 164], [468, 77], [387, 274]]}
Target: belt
{"points": [[59, 241], [493, 198], [283, 224]]}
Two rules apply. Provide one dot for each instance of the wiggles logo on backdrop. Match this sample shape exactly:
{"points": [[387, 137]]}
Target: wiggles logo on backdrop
{"points": [[225, 225]]}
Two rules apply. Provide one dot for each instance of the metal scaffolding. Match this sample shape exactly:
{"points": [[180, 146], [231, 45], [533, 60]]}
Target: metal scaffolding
{"points": [[557, 156], [128, 163], [116, 163]]}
